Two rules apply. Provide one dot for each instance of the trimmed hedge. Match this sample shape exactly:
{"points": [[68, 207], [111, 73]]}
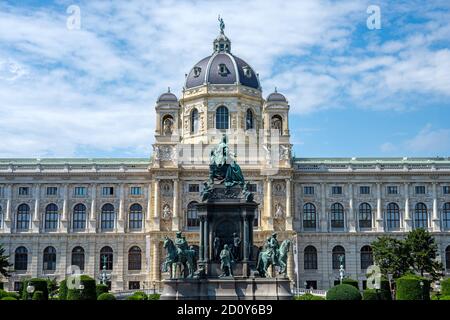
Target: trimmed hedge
{"points": [[445, 287], [62, 291], [343, 292], [140, 293], [408, 288], [38, 295], [135, 297], [3, 294], [308, 296], [38, 284], [88, 292], [106, 296], [351, 282], [444, 298], [8, 298], [101, 288], [154, 296]]}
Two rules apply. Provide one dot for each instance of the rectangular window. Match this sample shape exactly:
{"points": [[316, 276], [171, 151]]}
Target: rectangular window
{"points": [[52, 191], [80, 191], [134, 285], [364, 190], [136, 191], [308, 190], [24, 191], [392, 190], [252, 187], [336, 190], [420, 189], [108, 191], [445, 190], [194, 187]]}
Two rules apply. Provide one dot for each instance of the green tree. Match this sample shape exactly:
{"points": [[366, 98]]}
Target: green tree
{"points": [[4, 263], [423, 252], [391, 256]]}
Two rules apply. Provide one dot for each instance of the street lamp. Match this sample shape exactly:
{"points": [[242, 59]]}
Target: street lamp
{"points": [[30, 291], [421, 288]]}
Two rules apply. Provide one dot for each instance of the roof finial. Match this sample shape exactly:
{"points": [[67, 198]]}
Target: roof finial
{"points": [[221, 24], [168, 89]]}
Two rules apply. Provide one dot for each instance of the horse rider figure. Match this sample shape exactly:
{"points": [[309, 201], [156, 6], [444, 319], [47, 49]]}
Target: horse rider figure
{"points": [[226, 259], [272, 248], [181, 244]]}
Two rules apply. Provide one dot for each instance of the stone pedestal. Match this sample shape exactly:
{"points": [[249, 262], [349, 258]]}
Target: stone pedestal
{"points": [[227, 289]]}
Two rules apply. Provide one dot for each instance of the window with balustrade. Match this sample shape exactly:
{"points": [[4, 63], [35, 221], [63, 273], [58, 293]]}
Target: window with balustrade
{"points": [[135, 217], [107, 217], [23, 217], [51, 217], [79, 217]]}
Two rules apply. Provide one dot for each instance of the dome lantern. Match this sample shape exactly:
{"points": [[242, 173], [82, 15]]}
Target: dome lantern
{"points": [[222, 43]]}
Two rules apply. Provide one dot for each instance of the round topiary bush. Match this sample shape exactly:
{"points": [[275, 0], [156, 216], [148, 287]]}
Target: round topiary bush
{"points": [[135, 297], [409, 288], [38, 284], [73, 294], [14, 295], [9, 298], [141, 294], [101, 288], [351, 282], [106, 296], [87, 293], [343, 292], [370, 294], [38, 295], [445, 287]]}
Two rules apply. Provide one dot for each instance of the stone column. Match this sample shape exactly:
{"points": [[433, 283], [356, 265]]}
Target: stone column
{"points": [[175, 219], [121, 220], [156, 225], [149, 208], [64, 223], [351, 220], [268, 206], [323, 216], [407, 217], [435, 223], [93, 213], [289, 219], [8, 227], [380, 226], [36, 215], [156, 273]]}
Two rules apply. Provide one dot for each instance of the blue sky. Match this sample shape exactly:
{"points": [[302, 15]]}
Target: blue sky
{"points": [[352, 91]]}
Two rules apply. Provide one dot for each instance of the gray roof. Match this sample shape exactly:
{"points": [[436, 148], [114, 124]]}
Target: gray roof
{"points": [[276, 97], [209, 72], [167, 97]]}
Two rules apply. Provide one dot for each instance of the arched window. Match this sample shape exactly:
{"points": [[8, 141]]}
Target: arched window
{"points": [[249, 120], [337, 216], [134, 258], [337, 252], [23, 217], [366, 257], [309, 216], [78, 257], [421, 216], [447, 258], [106, 258], [79, 217], [446, 215], [365, 215], [135, 218], [194, 121], [222, 118], [393, 216], [310, 257], [51, 217], [192, 215], [21, 259], [107, 217], [277, 124], [49, 259]]}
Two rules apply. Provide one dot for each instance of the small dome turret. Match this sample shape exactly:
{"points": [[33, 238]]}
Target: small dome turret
{"points": [[167, 97]]}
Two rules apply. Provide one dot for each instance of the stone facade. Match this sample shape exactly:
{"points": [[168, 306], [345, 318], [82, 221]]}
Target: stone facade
{"points": [[150, 197]]}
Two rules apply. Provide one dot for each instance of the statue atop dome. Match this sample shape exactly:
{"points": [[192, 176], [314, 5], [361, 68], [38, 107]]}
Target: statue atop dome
{"points": [[221, 25]]}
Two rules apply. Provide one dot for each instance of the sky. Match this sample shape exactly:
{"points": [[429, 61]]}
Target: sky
{"points": [[356, 88]]}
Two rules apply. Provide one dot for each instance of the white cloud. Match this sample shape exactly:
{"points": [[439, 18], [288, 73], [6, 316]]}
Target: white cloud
{"points": [[429, 141]]}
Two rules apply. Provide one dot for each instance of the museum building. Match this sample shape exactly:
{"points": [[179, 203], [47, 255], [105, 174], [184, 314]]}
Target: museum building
{"points": [[115, 213]]}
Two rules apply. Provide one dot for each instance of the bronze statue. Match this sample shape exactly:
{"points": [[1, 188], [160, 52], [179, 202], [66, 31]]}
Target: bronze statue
{"points": [[226, 259], [216, 246], [273, 254], [179, 254]]}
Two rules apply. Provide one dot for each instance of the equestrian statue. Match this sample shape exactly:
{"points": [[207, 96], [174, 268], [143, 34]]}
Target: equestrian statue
{"points": [[273, 254], [179, 254]]}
